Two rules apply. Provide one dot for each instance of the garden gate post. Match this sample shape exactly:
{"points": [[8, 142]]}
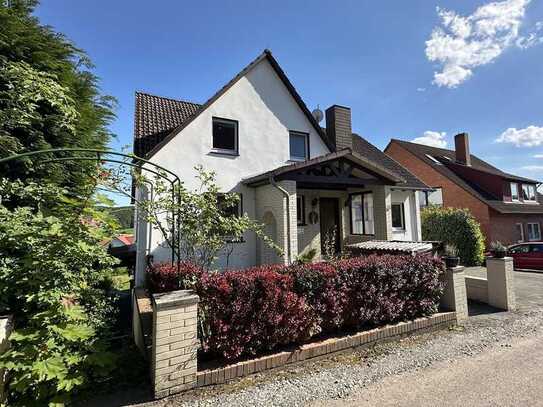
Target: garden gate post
{"points": [[454, 295], [175, 343], [501, 287]]}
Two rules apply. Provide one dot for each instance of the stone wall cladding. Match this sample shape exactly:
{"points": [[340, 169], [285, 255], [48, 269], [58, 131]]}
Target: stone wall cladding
{"points": [[501, 286], [312, 350], [175, 343], [454, 295], [269, 199], [382, 213]]}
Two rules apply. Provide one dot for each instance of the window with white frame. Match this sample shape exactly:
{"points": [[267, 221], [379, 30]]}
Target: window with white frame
{"points": [[225, 136], [519, 232], [361, 208], [299, 146], [534, 231], [398, 216], [528, 192], [514, 191]]}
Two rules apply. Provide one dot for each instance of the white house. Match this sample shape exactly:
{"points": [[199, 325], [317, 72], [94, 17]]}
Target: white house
{"points": [[299, 179]]}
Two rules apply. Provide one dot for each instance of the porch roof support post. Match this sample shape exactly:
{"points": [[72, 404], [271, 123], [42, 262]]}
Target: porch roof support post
{"points": [[287, 196]]}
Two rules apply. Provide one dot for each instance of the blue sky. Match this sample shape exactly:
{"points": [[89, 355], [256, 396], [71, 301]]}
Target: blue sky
{"points": [[408, 69]]}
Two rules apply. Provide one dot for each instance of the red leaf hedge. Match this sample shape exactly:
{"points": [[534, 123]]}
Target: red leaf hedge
{"points": [[249, 311]]}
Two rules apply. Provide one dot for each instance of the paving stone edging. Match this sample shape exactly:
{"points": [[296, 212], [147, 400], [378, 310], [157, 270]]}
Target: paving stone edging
{"points": [[331, 345]]}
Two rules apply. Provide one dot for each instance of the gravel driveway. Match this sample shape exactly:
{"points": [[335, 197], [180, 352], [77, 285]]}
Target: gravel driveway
{"points": [[355, 377], [344, 375]]}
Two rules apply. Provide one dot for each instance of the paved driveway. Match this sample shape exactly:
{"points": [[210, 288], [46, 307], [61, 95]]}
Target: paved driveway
{"points": [[528, 286]]}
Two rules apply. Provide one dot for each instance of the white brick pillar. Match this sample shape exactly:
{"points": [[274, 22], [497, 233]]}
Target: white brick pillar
{"points": [[5, 329], [501, 287], [454, 295], [175, 343]]}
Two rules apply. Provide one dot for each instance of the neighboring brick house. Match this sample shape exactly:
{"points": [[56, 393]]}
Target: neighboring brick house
{"points": [[299, 179], [507, 206]]}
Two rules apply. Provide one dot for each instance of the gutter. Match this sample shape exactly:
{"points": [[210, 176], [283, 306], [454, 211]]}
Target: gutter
{"points": [[287, 196]]}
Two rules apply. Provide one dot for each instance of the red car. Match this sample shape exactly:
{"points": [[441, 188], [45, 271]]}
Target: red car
{"points": [[527, 255]]}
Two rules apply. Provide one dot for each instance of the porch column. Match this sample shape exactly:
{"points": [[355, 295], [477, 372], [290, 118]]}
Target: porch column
{"points": [[382, 212], [271, 203], [290, 230]]}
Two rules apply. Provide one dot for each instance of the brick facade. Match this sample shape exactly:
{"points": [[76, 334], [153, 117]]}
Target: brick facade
{"points": [[503, 226], [271, 208], [453, 195], [175, 343]]}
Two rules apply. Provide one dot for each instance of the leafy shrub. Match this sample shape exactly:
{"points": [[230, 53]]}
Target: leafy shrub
{"points": [[258, 309], [52, 270], [457, 227]]}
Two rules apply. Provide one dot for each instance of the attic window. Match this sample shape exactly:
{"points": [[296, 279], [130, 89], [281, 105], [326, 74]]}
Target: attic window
{"points": [[528, 192], [433, 159], [225, 136], [299, 146]]}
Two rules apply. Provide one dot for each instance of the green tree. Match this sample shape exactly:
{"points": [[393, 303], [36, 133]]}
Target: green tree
{"points": [[204, 218], [49, 98], [52, 280], [456, 227]]}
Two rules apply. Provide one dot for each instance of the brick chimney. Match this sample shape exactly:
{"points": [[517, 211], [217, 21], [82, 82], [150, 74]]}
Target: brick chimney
{"points": [[338, 126], [461, 145]]}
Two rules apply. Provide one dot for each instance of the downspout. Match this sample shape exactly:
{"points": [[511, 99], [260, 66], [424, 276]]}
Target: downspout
{"points": [[287, 196]]}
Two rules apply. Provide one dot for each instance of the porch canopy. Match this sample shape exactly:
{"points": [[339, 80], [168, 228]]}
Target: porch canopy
{"points": [[338, 170]]}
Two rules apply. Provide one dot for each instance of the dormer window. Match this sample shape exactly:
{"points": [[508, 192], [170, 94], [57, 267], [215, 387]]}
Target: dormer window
{"points": [[225, 136], [514, 191], [299, 146], [528, 192]]}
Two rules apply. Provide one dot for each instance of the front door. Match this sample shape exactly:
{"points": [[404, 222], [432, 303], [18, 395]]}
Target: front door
{"points": [[329, 214]]}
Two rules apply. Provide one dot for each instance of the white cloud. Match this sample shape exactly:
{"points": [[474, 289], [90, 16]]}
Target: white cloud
{"points": [[421, 89], [462, 43], [532, 168], [432, 138], [531, 136], [531, 39], [538, 156]]}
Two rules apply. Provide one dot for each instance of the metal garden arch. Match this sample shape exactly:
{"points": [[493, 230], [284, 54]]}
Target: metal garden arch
{"points": [[136, 162]]}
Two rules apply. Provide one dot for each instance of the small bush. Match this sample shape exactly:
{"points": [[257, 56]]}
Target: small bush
{"points": [[457, 227], [245, 312]]}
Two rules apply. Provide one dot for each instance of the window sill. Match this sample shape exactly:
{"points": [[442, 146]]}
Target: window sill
{"points": [[297, 160], [225, 152], [362, 234]]}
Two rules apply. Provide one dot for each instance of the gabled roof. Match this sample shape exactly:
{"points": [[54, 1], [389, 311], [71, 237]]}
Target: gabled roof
{"points": [[178, 114], [368, 150], [446, 163], [423, 151], [374, 168], [155, 117]]}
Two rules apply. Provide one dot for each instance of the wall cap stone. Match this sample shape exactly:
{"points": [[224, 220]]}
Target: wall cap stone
{"points": [[174, 299], [496, 259], [457, 269]]}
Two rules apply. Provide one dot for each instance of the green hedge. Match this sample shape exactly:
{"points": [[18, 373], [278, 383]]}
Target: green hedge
{"points": [[458, 227]]}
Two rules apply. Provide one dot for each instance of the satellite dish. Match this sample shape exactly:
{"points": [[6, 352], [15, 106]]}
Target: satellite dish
{"points": [[318, 114]]}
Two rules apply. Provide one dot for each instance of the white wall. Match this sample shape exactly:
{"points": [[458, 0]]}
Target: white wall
{"points": [[266, 112], [411, 215]]}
